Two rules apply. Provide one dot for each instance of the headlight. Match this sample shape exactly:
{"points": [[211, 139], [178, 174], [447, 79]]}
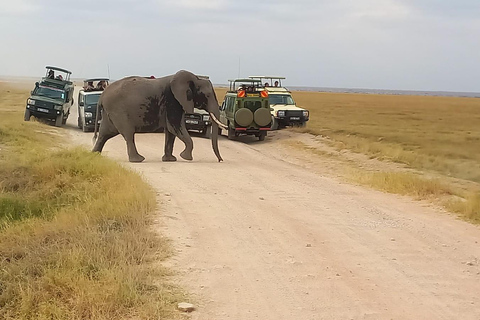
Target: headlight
{"points": [[88, 114], [206, 117], [31, 101], [281, 113], [305, 114], [58, 107]]}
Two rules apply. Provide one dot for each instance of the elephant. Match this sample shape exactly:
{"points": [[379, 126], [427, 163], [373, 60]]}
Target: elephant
{"points": [[138, 104]]}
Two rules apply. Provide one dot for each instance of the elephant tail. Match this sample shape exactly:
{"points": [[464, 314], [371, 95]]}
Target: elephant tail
{"points": [[99, 109]]}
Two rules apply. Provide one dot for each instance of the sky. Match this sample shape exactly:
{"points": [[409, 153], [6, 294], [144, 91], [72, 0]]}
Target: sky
{"points": [[375, 44]]}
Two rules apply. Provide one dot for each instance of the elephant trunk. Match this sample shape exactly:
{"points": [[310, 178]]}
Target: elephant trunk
{"points": [[214, 134]]}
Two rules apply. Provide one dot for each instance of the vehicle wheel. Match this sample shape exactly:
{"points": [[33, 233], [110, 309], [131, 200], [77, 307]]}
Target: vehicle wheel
{"points": [[231, 133], [84, 128], [274, 125], [64, 120], [59, 120], [28, 114], [262, 136]]}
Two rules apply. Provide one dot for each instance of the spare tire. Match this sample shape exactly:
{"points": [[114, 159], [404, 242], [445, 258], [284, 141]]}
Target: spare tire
{"points": [[244, 117], [263, 117]]}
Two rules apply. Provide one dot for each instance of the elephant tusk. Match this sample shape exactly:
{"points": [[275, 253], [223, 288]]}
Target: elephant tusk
{"points": [[221, 125]]}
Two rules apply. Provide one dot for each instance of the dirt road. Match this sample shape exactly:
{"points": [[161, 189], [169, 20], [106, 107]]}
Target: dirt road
{"points": [[264, 236]]}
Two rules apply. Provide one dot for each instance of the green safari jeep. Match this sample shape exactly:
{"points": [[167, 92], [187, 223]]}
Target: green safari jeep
{"points": [[245, 109], [52, 97]]}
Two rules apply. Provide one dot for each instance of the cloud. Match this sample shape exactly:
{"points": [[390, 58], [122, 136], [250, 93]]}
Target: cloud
{"points": [[363, 43], [18, 7]]}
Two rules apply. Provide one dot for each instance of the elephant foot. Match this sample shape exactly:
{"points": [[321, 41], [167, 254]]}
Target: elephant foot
{"points": [[169, 158], [137, 158], [186, 155]]}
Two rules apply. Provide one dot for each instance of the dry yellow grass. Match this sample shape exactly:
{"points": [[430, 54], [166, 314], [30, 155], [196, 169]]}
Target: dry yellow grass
{"points": [[75, 230], [428, 133], [439, 135]]}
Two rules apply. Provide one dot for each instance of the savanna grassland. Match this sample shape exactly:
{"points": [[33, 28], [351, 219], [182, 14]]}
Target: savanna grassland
{"points": [[76, 238], [437, 136]]}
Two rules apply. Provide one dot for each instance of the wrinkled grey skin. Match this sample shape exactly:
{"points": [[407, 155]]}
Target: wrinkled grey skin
{"points": [[137, 104]]}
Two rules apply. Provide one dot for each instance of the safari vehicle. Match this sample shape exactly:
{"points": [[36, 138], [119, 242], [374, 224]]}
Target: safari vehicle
{"points": [[284, 110], [245, 109], [52, 97], [87, 102], [199, 120]]}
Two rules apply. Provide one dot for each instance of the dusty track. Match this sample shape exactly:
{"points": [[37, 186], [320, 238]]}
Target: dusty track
{"points": [[261, 236]]}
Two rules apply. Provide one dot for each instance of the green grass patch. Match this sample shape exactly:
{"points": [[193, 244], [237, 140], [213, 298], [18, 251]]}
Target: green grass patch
{"points": [[76, 238]]}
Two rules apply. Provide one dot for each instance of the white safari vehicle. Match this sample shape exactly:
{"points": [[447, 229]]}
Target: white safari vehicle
{"points": [[87, 102], [284, 110]]}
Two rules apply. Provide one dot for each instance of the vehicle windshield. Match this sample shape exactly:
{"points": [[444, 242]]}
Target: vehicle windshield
{"points": [[280, 99], [49, 92], [91, 99]]}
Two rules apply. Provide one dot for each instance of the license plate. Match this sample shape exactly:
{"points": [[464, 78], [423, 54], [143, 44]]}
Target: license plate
{"points": [[294, 118], [191, 121], [43, 110]]}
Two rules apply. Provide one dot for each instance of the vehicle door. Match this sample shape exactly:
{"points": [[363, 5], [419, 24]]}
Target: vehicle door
{"points": [[223, 107], [69, 99], [230, 109], [81, 105]]}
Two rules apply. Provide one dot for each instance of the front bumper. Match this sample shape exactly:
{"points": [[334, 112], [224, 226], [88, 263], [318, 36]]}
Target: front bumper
{"points": [[291, 120], [90, 122], [43, 112], [195, 124]]}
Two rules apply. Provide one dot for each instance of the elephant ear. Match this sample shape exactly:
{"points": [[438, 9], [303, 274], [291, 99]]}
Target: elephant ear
{"points": [[183, 87]]}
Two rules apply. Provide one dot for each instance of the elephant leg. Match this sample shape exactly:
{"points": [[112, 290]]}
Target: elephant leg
{"points": [[106, 131], [133, 155], [187, 140], [169, 140]]}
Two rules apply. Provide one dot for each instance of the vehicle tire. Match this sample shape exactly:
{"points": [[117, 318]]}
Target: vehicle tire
{"points": [[262, 136], [231, 133], [64, 120], [204, 131], [28, 114], [85, 128], [274, 125], [59, 120]]}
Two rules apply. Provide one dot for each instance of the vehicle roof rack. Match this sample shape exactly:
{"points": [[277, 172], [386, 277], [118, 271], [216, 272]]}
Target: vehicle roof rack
{"points": [[267, 77], [245, 80], [58, 69], [96, 79]]}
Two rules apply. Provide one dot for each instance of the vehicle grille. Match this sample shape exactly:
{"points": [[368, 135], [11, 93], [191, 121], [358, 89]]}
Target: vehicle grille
{"points": [[193, 116], [43, 104], [294, 113]]}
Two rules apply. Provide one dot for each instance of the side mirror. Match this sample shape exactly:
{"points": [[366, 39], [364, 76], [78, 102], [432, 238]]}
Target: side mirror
{"points": [[81, 104], [31, 92], [36, 84]]}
